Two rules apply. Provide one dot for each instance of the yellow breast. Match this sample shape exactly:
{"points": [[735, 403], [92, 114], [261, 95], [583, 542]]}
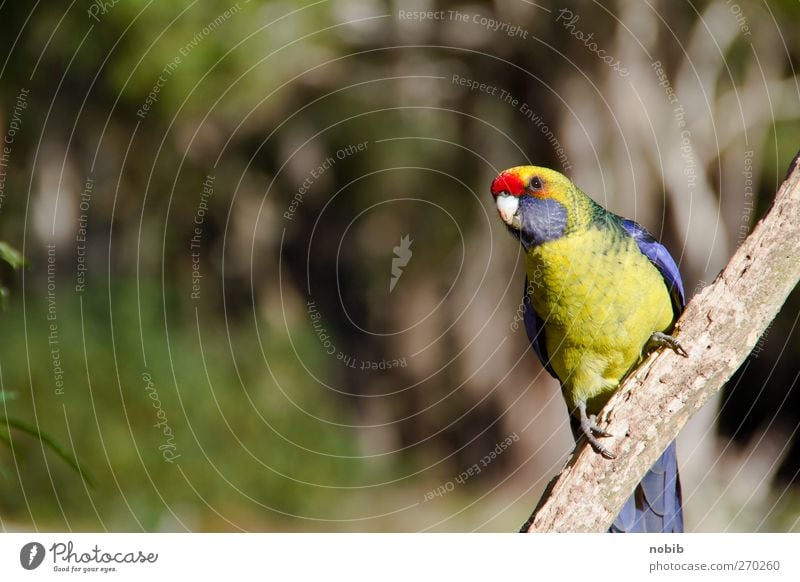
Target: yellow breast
{"points": [[601, 299]]}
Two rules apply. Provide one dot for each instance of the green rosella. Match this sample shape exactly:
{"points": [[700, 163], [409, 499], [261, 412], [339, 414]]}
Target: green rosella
{"points": [[600, 292]]}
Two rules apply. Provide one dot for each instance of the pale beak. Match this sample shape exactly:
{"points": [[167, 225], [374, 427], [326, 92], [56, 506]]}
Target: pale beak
{"points": [[508, 209]]}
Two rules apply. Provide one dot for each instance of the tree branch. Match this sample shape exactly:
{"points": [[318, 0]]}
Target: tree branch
{"points": [[718, 329]]}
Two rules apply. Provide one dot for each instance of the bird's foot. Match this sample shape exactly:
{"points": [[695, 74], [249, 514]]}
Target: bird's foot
{"points": [[589, 429], [659, 340]]}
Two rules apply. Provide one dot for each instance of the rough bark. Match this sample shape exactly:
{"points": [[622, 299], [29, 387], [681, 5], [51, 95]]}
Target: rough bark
{"points": [[718, 329]]}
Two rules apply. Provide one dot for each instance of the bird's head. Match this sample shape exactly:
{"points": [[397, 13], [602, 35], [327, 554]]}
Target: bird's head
{"points": [[534, 203]]}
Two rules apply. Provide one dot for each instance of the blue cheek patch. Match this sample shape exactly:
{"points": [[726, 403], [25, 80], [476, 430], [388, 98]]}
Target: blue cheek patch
{"points": [[543, 219]]}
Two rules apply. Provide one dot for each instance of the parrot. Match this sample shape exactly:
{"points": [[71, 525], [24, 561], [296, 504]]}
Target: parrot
{"points": [[600, 294]]}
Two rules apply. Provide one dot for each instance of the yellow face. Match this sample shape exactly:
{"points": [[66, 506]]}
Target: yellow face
{"points": [[515, 183], [535, 203]]}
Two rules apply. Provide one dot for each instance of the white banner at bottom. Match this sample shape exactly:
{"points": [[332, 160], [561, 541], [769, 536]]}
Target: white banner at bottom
{"points": [[401, 557]]}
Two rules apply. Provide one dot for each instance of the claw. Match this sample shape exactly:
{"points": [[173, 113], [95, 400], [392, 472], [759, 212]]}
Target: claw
{"points": [[589, 429], [596, 429], [659, 339]]}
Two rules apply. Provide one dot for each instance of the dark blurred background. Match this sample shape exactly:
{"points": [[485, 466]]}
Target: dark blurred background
{"points": [[268, 291]]}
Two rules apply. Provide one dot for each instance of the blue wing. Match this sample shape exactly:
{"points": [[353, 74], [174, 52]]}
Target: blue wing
{"points": [[661, 259], [534, 326]]}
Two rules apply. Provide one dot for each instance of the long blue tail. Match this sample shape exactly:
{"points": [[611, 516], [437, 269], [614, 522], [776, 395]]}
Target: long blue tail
{"points": [[656, 504]]}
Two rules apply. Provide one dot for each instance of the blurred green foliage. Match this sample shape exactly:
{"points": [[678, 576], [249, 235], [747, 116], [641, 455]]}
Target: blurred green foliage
{"points": [[108, 419]]}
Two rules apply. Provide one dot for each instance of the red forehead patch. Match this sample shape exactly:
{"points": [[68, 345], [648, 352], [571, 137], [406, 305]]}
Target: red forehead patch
{"points": [[508, 182]]}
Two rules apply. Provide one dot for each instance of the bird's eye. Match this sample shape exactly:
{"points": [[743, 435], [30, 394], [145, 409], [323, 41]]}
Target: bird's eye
{"points": [[536, 183]]}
